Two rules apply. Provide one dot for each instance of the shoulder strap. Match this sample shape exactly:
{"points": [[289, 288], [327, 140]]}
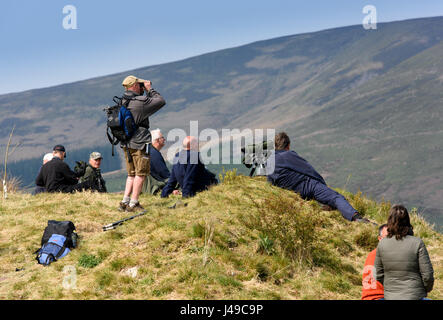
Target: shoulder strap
{"points": [[113, 140], [127, 98], [40, 252], [61, 251], [117, 100]]}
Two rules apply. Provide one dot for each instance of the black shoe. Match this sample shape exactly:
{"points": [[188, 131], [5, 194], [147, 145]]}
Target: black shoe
{"points": [[122, 206], [135, 208], [358, 218], [363, 220]]}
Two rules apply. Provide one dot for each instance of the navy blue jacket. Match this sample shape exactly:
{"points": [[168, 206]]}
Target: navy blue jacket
{"points": [[291, 171], [159, 170], [190, 173]]}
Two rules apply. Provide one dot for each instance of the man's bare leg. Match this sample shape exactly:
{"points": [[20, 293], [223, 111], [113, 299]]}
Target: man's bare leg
{"points": [[129, 186], [137, 188]]}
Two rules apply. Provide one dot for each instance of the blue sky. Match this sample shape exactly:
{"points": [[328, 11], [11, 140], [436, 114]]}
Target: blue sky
{"points": [[112, 36]]}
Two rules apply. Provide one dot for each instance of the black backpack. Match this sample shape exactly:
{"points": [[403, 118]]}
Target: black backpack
{"points": [[121, 125], [57, 241]]}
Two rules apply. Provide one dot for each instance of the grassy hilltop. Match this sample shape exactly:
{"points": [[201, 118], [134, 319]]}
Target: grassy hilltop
{"points": [[243, 239]]}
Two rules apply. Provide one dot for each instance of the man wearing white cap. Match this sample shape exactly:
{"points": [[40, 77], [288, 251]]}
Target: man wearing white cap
{"points": [[137, 159], [159, 172], [46, 158], [93, 173]]}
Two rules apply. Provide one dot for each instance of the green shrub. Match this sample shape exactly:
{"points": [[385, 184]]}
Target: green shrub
{"points": [[288, 224], [266, 245], [104, 279], [117, 265], [322, 257], [228, 177], [147, 280], [367, 238], [422, 228], [359, 202], [342, 246], [228, 282], [89, 261], [335, 283], [198, 231], [162, 291]]}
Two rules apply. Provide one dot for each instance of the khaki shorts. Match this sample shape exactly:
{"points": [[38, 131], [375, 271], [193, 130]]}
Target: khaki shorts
{"points": [[140, 165]]}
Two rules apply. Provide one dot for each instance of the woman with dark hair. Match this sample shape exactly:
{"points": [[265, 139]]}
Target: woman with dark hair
{"points": [[402, 262]]}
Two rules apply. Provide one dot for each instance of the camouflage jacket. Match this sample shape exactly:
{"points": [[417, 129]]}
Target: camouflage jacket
{"points": [[94, 174]]}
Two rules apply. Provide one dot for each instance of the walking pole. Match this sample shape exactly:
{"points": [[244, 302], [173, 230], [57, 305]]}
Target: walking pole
{"points": [[117, 223]]}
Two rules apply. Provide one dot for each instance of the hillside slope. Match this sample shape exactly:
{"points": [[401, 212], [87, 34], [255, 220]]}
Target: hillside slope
{"points": [[359, 103], [243, 239]]}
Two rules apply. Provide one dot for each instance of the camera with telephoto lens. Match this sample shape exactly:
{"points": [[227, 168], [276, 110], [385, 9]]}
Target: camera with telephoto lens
{"points": [[255, 156]]}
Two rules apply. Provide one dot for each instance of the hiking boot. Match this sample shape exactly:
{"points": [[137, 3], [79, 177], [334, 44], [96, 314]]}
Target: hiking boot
{"points": [[363, 220], [358, 218], [122, 206], [135, 208]]}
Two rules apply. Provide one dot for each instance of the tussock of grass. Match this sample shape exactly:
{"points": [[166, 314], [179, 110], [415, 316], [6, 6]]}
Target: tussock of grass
{"points": [[88, 261], [12, 184], [242, 239]]}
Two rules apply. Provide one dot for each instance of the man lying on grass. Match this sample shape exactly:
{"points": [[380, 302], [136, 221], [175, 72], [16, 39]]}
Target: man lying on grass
{"points": [[295, 173]]}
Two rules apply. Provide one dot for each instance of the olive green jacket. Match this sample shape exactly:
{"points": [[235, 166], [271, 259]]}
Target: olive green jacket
{"points": [[93, 174], [152, 185], [404, 268]]}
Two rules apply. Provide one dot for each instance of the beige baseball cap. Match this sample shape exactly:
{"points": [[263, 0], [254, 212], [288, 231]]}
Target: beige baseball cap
{"points": [[129, 81], [95, 156]]}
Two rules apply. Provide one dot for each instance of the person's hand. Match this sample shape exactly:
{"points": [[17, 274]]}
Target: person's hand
{"points": [[176, 192], [148, 85]]}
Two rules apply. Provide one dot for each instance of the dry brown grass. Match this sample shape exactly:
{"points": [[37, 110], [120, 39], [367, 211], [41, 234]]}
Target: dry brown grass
{"points": [[175, 260]]}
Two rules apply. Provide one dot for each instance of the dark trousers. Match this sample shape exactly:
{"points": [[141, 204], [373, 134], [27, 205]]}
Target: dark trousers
{"points": [[312, 189], [38, 189], [87, 185]]}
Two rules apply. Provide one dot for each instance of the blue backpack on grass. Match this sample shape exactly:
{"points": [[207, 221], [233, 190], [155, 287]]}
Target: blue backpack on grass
{"points": [[52, 250]]}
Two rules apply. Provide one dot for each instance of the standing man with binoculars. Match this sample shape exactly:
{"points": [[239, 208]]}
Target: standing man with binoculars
{"points": [[136, 156]]}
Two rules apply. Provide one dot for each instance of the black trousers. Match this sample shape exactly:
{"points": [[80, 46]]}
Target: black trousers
{"points": [[87, 185]]}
